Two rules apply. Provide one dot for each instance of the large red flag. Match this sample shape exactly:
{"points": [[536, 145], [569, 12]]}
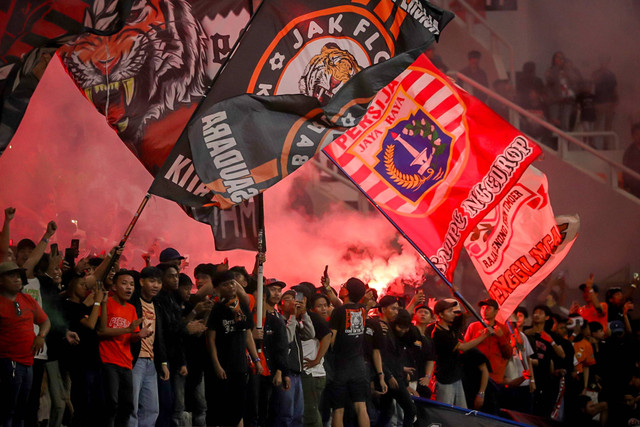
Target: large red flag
{"points": [[519, 242], [433, 158]]}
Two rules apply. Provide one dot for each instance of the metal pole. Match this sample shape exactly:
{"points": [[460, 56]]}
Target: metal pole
{"points": [[125, 237], [454, 291], [261, 251]]}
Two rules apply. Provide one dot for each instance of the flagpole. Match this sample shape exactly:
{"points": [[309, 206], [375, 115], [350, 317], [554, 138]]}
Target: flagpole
{"points": [[261, 251], [454, 291], [125, 237]]}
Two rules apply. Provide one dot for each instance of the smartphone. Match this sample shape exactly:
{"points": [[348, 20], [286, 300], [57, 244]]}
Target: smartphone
{"points": [[70, 256], [299, 297], [326, 271], [54, 249], [75, 245]]}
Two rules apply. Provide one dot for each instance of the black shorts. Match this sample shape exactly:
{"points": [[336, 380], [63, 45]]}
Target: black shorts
{"points": [[349, 386]]}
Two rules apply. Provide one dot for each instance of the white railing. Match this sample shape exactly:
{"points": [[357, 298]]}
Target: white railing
{"points": [[614, 167], [495, 38]]}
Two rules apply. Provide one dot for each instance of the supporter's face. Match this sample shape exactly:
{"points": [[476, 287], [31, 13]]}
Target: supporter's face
{"points": [[391, 311], [57, 275], [422, 317], [599, 335], [474, 62], [81, 289], [561, 329], [177, 263], [287, 305], [539, 316], [11, 282], [487, 312], [150, 286], [241, 279], [275, 295], [321, 308], [629, 401], [184, 292], [558, 59], [617, 298], [11, 256], [89, 270], [227, 290], [343, 293], [448, 315], [124, 287], [401, 330], [520, 319], [170, 279], [203, 280], [23, 255]]}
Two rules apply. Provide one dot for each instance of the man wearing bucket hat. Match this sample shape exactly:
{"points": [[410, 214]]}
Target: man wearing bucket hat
{"points": [[18, 343], [448, 344]]}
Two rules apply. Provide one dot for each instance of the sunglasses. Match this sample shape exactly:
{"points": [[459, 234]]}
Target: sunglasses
{"points": [[18, 310]]}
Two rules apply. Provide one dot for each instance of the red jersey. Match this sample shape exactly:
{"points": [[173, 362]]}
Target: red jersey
{"points": [[497, 349], [16, 331], [117, 350]]}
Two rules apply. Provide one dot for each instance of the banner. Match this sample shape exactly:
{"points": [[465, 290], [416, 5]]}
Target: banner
{"points": [[148, 78], [434, 159], [30, 33], [295, 47], [519, 242]]}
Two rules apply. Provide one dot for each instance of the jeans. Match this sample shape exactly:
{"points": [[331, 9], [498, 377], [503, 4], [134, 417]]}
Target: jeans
{"points": [[289, 404], [312, 388], [451, 394], [57, 393], [145, 394], [403, 399], [179, 418], [16, 380], [87, 395], [196, 402], [118, 387]]}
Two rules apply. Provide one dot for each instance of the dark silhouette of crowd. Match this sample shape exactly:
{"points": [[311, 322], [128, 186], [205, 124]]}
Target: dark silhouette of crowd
{"points": [[119, 347]]}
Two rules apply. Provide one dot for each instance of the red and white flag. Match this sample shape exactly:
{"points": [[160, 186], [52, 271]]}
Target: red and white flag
{"points": [[433, 158], [519, 243]]}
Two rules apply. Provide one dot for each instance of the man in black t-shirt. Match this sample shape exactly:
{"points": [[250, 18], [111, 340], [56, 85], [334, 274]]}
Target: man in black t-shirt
{"points": [[229, 336], [448, 343], [347, 327]]}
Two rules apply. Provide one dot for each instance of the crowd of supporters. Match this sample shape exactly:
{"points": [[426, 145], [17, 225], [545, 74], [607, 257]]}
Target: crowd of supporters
{"points": [[119, 347]]}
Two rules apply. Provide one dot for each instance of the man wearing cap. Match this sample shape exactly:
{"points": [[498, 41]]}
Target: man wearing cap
{"points": [[171, 256], [448, 343], [497, 347], [18, 343], [289, 402], [351, 383], [273, 357]]}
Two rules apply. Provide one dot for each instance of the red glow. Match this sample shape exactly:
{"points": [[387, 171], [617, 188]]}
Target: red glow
{"points": [[67, 164]]}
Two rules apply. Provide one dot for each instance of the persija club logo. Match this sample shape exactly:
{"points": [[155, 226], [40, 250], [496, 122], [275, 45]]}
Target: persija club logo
{"points": [[415, 155]]}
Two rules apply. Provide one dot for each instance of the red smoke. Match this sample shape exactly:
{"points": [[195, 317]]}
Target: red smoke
{"points": [[66, 164]]}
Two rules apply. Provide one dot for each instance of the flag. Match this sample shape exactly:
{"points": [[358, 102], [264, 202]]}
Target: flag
{"points": [[148, 78], [237, 227], [519, 242], [296, 47], [433, 158], [30, 33]]}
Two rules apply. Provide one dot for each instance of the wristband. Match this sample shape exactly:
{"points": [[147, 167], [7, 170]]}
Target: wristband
{"points": [[164, 364], [256, 360], [380, 373], [96, 304], [45, 239], [481, 393]]}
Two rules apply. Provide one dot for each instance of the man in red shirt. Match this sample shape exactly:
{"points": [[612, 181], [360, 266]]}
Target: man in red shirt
{"points": [[496, 347], [119, 326], [18, 343], [593, 310]]}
